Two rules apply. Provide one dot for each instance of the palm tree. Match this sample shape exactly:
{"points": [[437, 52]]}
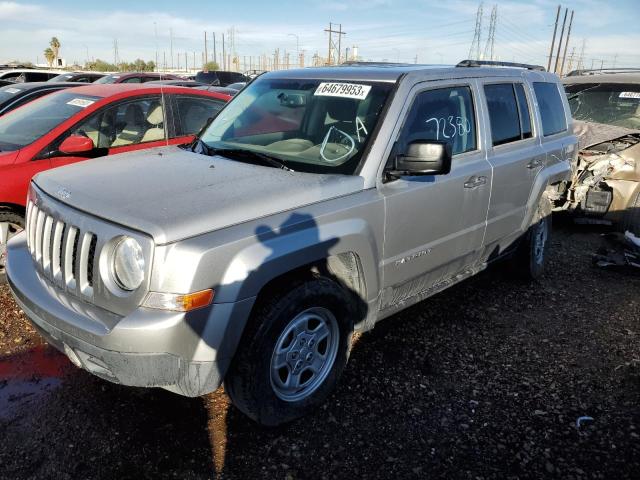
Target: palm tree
{"points": [[55, 48], [49, 55]]}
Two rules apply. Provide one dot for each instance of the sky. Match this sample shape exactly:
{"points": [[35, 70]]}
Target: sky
{"points": [[426, 31]]}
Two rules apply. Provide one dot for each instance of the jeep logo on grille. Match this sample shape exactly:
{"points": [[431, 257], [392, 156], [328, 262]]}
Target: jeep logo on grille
{"points": [[63, 193]]}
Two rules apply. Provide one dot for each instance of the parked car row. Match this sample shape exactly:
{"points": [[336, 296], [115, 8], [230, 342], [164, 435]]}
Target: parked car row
{"points": [[317, 203]]}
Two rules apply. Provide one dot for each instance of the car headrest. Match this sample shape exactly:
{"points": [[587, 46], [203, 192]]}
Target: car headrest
{"points": [[133, 114], [342, 109], [155, 116]]}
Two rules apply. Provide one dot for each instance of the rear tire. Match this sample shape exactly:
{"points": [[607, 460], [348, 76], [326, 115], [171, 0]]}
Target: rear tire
{"points": [[530, 258], [631, 217], [292, 352], [10, 224]]}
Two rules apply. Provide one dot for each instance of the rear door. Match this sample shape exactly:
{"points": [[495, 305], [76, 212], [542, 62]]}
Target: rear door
{"points": [[435, 224], [191, 113], [515, 155]]}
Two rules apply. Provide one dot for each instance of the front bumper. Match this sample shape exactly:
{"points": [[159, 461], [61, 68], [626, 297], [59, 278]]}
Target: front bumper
{"points": [[184, 353]]}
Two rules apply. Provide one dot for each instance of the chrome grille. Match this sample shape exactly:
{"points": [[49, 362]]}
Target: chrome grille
{"points": [[62, 252]]}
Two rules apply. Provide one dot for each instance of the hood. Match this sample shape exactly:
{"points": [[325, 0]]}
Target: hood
{"points": [[592, 133], [173, 194]]}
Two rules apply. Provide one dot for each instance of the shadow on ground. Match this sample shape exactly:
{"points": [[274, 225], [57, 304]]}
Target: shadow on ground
{"points": [[485, 380]]}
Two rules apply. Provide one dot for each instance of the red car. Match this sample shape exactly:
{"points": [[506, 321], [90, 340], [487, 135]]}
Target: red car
{"points": [[86, 122], [137, 77]]}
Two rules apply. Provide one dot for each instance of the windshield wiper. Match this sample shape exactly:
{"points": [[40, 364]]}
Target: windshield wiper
{"points": [[239, 153]]}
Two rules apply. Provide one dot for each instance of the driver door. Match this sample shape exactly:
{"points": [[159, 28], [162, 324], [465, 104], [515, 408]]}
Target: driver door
{"points": [[435, 223], [127, 126]]}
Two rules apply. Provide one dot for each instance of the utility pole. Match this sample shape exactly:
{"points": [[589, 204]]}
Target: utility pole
{"points": [[488, 47], [564, 21], [224, 54], [475, 44], [215, 52], [553, 41], [615, 59], [186, 62], [204, 60], [334, 49], [566, 44], [155, 30], [171, 46]]}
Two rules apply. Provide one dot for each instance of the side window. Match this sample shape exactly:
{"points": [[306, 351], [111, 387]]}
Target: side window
{"points": [[523, 109], [128, 123], [503, 113], [132, 80], [551, 108], [444, 114], [194, 112]]}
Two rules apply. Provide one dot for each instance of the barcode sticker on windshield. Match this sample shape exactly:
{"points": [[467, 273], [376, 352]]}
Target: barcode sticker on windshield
{"points": [[11, 90], [80, 102], [345, 90], [630, 95]]}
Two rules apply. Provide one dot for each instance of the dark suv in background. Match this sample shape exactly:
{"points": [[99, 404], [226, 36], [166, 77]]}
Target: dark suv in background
{"points": [[220, 78]]}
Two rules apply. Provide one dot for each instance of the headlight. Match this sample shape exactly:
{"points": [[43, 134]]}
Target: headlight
{"points": [[128, 264]]}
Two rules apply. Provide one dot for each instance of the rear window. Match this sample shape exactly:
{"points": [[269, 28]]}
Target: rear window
{"points": [[551, 108]]}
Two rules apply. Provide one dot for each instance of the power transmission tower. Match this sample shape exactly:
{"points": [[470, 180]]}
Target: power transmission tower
{"points": [[475, 44], [571, 57], [581, 57], [334, 47], [491, 38]]}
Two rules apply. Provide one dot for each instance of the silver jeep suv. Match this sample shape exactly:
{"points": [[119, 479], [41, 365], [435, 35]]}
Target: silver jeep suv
{"points": [[318, 202]]}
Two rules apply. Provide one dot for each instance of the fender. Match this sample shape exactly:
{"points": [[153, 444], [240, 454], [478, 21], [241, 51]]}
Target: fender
{"points": [[548, 176], [278, 253]]}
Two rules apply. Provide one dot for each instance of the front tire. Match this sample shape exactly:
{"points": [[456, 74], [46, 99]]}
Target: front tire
{"points": [[10, 224], [531, 256], [292, 353]]}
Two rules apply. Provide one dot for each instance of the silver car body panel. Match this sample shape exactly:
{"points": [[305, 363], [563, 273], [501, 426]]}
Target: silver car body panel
{"points": [[215, 223]]}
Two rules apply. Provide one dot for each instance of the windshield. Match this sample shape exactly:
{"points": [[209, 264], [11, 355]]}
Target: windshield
{"points": [[28, 123], [61, 78], [308, 125], [609, 103], [108, 79]]}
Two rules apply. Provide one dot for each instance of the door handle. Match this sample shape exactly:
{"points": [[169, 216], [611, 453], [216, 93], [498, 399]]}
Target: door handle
{"points": [[474, 181], [535, 163]]}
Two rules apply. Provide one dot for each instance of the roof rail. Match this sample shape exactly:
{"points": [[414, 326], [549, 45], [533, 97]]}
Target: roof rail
{"points": [[594, 71], [492, 63]]}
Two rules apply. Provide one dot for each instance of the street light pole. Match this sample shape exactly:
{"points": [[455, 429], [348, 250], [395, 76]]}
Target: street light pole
{"points": [[297, 44]]}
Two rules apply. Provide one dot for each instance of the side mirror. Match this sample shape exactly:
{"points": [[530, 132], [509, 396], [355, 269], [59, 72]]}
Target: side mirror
{"points": [[423, 157], [76, 144]]}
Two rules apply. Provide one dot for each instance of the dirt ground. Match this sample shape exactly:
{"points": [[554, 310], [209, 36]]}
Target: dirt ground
{"points": [[485, 380]]}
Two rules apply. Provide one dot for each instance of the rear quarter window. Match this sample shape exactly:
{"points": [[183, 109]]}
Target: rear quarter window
{"points": [[551, 108]]}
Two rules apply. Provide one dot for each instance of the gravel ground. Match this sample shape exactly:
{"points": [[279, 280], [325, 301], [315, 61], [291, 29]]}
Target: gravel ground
{"points": [[485, 380]]}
